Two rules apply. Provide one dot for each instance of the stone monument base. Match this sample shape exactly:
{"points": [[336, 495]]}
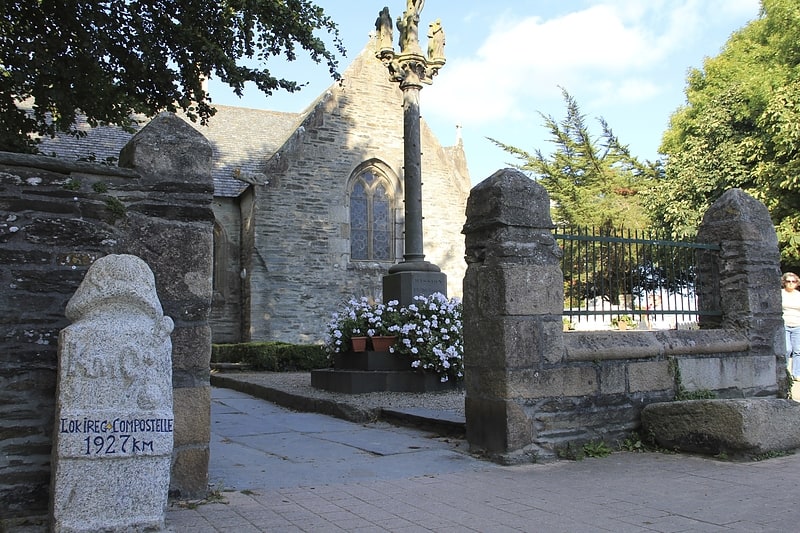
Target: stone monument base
{"points": [[357, 373], [403, 286]]}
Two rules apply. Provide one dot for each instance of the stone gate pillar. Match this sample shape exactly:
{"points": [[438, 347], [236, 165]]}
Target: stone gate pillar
{"points": [[513, 301], [172, 228], [747, 271]]}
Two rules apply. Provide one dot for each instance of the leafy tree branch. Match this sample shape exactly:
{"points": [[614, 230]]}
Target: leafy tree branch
{"points": [[111, 59]]}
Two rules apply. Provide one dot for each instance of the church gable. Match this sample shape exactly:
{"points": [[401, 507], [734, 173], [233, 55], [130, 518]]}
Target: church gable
{"points": [[318, 243]]}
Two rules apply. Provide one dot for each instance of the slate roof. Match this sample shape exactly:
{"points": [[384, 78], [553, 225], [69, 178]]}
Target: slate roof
{"points": [[242, 140]]}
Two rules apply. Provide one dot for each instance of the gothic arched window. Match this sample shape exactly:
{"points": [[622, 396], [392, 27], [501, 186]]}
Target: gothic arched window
{"points": [[371, 221], [220, 257]]}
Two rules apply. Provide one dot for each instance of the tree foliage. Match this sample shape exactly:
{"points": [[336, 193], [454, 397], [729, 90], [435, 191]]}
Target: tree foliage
{"points": [[740, 127], [109, 59], [591, 181]]}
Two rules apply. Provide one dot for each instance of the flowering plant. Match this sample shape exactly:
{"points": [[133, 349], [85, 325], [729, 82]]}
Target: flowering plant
{"points": [[360, 318], [431, 333], [385, 319]]}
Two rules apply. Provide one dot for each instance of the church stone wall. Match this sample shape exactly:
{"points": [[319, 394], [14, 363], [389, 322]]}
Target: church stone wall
{"points": [[56, 219], [445, 190], [300, 276]]}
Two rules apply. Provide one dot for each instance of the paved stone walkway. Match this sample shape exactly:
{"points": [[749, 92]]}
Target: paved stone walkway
{"points": [[280, 470]]}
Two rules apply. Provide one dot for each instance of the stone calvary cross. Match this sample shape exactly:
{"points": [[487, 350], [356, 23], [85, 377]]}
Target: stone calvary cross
{"points": [[411, 69]]}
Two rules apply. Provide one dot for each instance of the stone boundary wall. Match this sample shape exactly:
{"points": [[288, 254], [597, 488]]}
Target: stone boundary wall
{"points": [[533, 390], [56, 219]]}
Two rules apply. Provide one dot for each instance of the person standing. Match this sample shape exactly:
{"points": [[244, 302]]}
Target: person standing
{"points": [[790, 300]]}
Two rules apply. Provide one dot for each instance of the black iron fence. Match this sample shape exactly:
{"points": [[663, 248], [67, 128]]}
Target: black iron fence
{"points": [[623, 278]]}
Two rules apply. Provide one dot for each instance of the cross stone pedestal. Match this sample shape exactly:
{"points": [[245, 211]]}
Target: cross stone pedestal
{"points": [[358, 373], [403, 286]]}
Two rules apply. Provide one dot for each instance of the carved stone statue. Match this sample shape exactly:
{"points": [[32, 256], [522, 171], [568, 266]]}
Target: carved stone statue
{"points": [[408, 26], [435, 41], [383, 27], [411, 66]]}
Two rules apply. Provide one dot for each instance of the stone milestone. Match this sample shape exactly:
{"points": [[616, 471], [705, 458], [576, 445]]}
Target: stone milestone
{"points": [[113, 435]]}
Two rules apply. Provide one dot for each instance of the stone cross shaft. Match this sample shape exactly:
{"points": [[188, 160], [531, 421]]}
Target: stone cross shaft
{"points": [[411, 69]]}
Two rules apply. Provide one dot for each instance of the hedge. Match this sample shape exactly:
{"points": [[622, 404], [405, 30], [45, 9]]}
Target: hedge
{"points": [[272, 356]]}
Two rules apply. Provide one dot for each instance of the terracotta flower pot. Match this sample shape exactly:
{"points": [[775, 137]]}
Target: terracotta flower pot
{"points": [[359, 344], [382, 343]]}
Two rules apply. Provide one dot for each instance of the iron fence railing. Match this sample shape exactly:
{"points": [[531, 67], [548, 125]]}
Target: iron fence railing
{"points": [[613, 276]]}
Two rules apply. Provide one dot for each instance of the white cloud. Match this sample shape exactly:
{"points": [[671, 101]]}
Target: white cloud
{"points": [[525, 61], [611, 51], [631, 91]]}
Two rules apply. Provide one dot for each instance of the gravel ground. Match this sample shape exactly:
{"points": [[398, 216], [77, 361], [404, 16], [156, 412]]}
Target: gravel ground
{"points": [[299, 383]]}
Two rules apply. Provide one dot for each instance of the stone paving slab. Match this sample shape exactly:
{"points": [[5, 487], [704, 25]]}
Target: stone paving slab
{"points": [[274, 446], [442, 410], [337, 483]]}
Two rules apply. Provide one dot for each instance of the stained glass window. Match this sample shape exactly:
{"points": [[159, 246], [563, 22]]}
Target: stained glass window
{"points": [[371, 218]]}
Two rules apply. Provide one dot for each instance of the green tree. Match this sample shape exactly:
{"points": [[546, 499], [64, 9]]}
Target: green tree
{"points": [[591, 181], [109, 59], [740, 127]]}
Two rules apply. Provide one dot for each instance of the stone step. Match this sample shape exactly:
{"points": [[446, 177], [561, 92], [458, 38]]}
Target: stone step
{"points": [[744, 426], [371, 360], [230, 366]]}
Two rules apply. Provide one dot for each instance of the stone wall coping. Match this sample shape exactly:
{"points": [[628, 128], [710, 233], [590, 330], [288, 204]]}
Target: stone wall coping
{"points": [[65, 167], [611, 345]]}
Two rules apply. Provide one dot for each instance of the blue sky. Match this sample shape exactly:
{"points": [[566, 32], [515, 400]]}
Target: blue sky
{"points": [[623, 60]]}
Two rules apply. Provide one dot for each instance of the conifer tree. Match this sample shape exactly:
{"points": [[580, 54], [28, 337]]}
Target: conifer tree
{"points": [[592, 182]]}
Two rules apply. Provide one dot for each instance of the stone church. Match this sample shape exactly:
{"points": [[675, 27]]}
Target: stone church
{"points": [[309, 206]]}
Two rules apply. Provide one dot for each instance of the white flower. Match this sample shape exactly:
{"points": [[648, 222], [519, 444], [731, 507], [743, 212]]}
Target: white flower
{"points": [[428, 330]]}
